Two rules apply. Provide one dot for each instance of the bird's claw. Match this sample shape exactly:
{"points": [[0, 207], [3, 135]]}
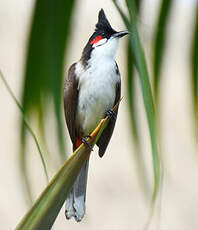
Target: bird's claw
{"points": [[111, 114], [84, 140]]}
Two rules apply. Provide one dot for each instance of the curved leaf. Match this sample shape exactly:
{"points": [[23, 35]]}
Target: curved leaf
{"points": [[26, 124], [195, 70], [160, 42], [131, 91], [140, 63], [44, 67], [45, 210]]}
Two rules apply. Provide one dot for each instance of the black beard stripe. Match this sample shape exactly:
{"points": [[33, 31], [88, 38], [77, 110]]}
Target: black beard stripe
{"points": [[86, 54]]}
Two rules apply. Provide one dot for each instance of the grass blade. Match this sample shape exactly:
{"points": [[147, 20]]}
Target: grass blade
{"points": [[26, 124], [45, 210], [160, 42], [124, 17], [194, 62], [44, 66], [131, 96], [140, 63], [131, 91]]}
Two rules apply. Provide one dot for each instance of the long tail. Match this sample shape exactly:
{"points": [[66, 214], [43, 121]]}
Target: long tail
{"points": [[75, 203]]}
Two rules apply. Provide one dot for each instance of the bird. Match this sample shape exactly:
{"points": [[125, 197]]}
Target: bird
{"points": [[92, 87]]}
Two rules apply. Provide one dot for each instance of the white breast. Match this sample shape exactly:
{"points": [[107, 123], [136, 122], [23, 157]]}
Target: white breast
{"points": [[96, 92]]}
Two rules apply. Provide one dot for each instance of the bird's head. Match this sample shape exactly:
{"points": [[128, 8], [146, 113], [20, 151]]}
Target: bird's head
{"points": [[104, 41]]}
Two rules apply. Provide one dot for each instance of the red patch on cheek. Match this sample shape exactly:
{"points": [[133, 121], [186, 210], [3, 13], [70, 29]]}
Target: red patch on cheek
{"points": [[95, 40]]}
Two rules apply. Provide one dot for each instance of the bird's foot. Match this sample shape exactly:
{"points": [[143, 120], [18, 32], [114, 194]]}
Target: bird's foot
{"points": [[84, 140], [111, 114]]}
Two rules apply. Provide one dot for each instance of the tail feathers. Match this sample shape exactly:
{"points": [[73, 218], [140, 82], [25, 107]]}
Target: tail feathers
{"points": [[75, 203]]}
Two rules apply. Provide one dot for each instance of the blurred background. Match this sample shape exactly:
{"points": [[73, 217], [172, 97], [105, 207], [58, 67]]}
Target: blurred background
{"points": [[115, 197]]}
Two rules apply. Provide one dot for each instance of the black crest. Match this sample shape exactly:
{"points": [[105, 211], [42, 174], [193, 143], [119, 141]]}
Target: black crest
{"points": [[104, 29], [103, 24]]}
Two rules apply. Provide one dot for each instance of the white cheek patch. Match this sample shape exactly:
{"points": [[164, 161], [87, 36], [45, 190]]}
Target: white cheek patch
{"points": [[99, 43]]}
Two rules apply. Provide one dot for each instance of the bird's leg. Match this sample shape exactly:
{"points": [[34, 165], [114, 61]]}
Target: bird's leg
{"points": [[84, 140], [111, 114]]}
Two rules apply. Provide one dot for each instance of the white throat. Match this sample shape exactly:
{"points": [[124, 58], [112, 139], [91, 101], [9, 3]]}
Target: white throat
{"points": [[107, 49]]}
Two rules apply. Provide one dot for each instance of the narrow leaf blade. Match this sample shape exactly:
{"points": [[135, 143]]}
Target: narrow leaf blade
{"points": [[45, 210], [44, 68], [131, 91], [160, 42], [194, 58], [140, 64]]}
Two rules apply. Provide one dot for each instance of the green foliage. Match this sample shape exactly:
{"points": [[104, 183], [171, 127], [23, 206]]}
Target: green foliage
{"points": [[131, 99], [195, 70], [45, 210], [159, 42], [140, 64], [44, 68], [27, 126]]}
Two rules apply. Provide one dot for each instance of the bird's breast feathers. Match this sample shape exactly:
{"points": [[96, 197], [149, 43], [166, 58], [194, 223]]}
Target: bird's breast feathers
{"points": [[97, 84]]}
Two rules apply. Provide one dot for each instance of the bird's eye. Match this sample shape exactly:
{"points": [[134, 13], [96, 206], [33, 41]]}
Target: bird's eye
{"points": [[96, 39]]}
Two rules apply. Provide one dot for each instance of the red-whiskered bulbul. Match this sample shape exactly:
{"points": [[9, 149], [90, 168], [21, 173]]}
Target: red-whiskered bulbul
{"points": [[92, 88]]}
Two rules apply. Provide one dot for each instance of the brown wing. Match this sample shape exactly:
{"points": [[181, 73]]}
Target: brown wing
{"points": [[107, 133], [70, 102]]}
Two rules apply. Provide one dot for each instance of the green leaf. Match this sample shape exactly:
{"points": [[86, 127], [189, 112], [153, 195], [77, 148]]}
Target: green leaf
{"points": [[43, 80], [140, 63], [160, 42], [131, 102], [131, 91], [45, 210], [131, 95], [194, 62], [26, 123]]}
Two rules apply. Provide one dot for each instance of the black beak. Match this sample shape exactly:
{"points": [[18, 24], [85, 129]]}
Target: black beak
{"points": [[120, 34]]}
